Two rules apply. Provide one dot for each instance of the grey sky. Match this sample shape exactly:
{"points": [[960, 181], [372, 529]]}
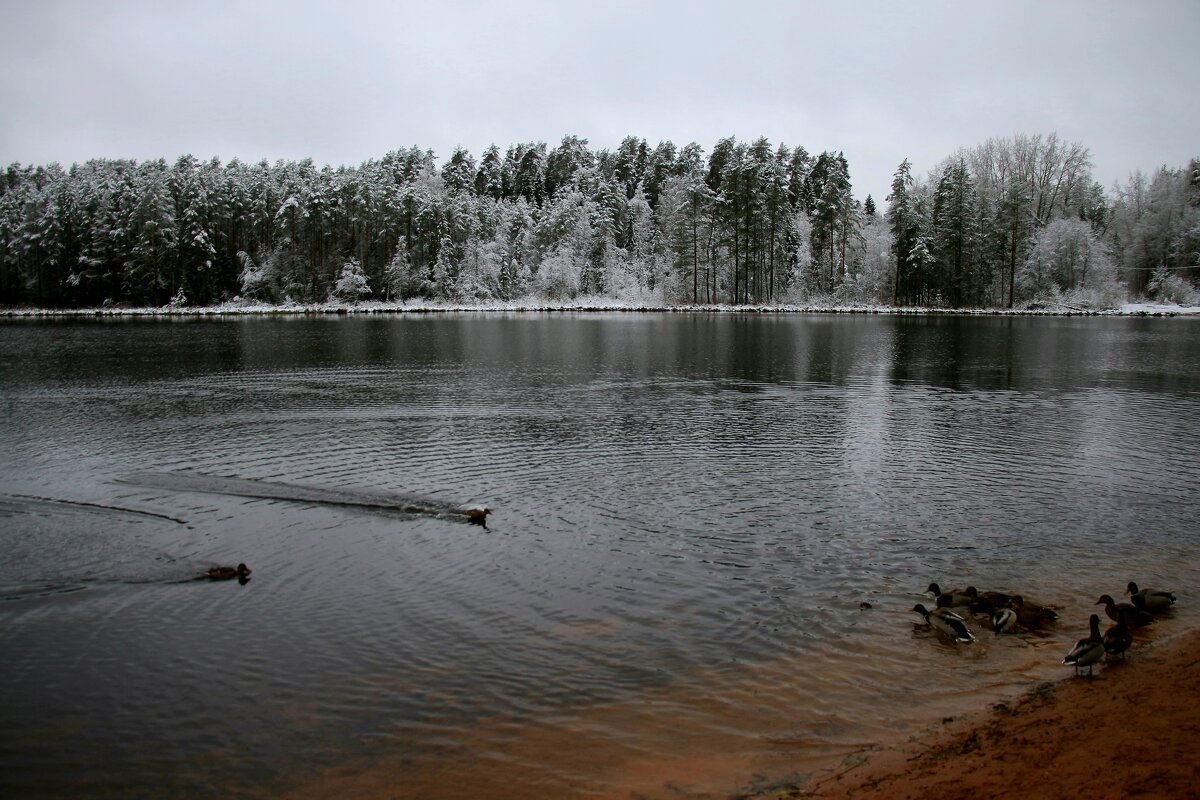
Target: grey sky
{"points": [[344, 82]]}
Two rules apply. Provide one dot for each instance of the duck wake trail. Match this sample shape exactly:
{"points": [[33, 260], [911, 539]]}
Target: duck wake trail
{"points": [[392, 504]]}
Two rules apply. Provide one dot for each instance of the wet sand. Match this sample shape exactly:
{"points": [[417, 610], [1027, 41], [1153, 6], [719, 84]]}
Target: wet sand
{"points": [[1131, 731]]}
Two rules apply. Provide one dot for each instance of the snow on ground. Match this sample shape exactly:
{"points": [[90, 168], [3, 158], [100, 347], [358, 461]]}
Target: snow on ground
{"points": [[1157, 309], [237, 308]]}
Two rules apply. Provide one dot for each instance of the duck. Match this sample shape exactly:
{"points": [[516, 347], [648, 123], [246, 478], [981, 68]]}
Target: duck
{"points": [[1153, 600], [1118, 639], [1088, 650], [477, 515], [947, 622], [992, 599], [1004, 620], [1136, 617], [949, 599], [241, 571], [1033, 615], [986, 602]]}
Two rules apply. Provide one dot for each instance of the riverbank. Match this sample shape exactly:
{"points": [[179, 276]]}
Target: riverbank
{"points": [[595, 304], [1131, 731]]}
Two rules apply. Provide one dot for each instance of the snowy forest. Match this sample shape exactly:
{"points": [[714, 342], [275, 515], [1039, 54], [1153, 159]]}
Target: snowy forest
{"points": [[1012, 222]]}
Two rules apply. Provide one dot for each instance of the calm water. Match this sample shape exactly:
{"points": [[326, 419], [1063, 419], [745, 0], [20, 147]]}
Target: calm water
{"points": [[688, 511]]}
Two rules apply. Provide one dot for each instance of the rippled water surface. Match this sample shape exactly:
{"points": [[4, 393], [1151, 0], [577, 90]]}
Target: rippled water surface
{"points": [[687, 512]]}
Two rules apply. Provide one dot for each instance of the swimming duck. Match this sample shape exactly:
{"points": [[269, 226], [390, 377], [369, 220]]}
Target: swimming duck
{"points": [[949, 599], [1153, 600], [227, 573], [1033, 615], [1088, 650], [477, 515], [947, 622], [1135, 618], [1004, 620], [1118, 639]]}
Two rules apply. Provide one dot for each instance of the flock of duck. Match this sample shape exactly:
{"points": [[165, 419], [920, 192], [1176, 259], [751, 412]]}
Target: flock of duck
{"points": [[1011, 612]]}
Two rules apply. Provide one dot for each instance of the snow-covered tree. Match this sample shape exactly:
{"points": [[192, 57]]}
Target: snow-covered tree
{"points": [[665, 222], [1154, 223], [642, 239], [904, 220], [352, 283], [955, 237], [872, 257], [1067, 255], [148, 268], [262, 281], [558, 276], [804, 280], [1167, 286]]}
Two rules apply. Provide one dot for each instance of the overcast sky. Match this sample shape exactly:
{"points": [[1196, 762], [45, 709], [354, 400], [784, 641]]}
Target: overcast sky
{"points": [[348, 81]]}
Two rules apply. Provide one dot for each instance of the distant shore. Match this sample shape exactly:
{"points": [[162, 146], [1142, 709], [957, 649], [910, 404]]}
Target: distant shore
{"points": [[1130, 731], [235, 309]]}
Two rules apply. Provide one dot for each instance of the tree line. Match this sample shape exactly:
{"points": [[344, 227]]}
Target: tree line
{"points": [[1020, 218], [1010, 221]]}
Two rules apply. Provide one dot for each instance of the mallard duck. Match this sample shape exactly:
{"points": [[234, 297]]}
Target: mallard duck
{"points": [[1153, 600], [1088, 650], [949, 599], [1033, 615], [227, 573], [1118, 639], [947, 622], [1135, 617], [1004, 620], [477, 515], [993, 599]]}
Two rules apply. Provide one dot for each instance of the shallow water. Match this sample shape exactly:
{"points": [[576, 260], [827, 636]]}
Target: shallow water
{"points": [[688, 511]]}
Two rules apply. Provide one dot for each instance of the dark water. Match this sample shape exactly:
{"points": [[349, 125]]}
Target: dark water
{"points": [[687, 512]]}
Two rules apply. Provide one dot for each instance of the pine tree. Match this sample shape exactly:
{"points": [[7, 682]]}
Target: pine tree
{"points": [[904, 222], [147, 273], [956, 237], [642, 239], [565, 164], [832, 216], [459, 172], [489, 179], [659, 166]]}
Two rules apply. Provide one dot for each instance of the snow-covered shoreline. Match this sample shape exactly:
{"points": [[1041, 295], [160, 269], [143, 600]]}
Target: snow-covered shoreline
{"points": [[597, 304]]}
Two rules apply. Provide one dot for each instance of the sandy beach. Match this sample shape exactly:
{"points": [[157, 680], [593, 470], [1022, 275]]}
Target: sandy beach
{"points": [[1132, 730]]}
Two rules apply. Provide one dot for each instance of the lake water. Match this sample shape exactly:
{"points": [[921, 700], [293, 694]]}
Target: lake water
{"points": [[687, 512]]}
